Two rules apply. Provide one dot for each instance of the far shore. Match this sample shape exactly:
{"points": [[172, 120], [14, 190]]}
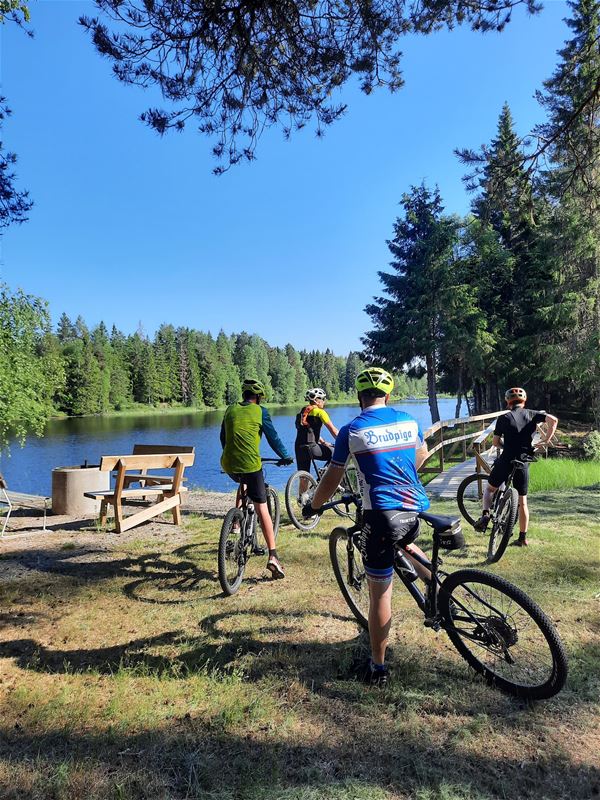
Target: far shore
{"points": [[146, 410]]}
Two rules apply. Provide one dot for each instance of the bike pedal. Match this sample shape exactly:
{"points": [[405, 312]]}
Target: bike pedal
{"points": [[432, 622], [259, 551]]}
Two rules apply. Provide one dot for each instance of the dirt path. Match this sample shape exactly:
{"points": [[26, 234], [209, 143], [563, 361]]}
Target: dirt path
{"points": [[27, 547]]}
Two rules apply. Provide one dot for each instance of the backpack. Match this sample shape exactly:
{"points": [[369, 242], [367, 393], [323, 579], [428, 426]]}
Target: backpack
{"points": [[303, 425]]}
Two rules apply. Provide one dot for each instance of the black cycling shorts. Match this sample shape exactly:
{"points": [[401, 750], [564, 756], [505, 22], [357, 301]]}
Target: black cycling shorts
{"points": [[381, 534], [502, 469], [320, 452], [255, 484]]}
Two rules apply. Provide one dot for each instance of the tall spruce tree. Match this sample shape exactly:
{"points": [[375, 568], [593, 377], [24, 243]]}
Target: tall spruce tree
{"points": [[224, 349], [409, 320], [571, 98], [506, 202], [120, 380]]}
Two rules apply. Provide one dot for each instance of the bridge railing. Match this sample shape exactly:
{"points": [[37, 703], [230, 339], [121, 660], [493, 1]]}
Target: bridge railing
{"points": [[450, 448]]}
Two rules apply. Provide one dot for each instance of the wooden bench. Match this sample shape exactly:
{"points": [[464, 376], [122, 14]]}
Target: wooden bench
{"points": [[142, 476], [168, 494], [20, 500]]}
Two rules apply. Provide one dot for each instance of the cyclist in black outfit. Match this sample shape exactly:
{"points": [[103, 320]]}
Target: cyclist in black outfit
{"points": [[309, 422], [514, 431]]}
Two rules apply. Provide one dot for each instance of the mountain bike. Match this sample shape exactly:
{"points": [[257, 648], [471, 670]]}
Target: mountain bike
{"points": [[300, 489], [500, 631], [238, 541], [504, 510]]}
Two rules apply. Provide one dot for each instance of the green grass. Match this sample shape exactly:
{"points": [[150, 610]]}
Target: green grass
{"points": [[563, 473], [126, 675]]}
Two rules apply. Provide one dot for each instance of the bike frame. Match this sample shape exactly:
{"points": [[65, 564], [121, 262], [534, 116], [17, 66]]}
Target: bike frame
{"points": [[248, 510], [427, 603]]}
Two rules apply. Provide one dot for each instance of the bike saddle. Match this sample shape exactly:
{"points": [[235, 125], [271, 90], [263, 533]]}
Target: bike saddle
{"points": [[439, 522]]}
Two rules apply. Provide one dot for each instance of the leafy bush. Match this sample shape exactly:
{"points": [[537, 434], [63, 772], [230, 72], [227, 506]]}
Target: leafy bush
{"points": [[591, 446]]}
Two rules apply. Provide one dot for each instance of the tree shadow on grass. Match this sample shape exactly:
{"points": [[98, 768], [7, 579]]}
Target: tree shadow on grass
{"points": [[154, 578], [281, 646]]}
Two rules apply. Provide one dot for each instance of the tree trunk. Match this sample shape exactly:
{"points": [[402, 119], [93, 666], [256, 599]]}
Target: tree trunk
{"points": [[459, 392], [431, 391]]}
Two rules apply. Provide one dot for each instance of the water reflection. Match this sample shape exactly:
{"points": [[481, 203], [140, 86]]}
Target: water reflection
{"points": [[74, 441]]}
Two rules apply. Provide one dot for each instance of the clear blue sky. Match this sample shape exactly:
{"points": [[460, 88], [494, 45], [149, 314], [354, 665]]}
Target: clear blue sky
{"points": [[129, 227]]}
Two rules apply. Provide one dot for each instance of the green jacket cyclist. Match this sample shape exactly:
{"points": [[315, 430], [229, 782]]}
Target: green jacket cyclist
{"points": [[241, 430]]}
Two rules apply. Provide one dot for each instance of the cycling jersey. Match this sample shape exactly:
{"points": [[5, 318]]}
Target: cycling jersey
{"points": [[383, 442], [517, 428], [243, 425], [309, 423]]}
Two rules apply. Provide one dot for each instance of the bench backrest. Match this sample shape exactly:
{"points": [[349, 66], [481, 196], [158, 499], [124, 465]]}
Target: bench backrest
{"points": [[176, 461], [150, 461], [155, 449]]}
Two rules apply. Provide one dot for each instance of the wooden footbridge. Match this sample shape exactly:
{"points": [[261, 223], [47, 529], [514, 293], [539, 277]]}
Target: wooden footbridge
{"points": [[463, 442]]}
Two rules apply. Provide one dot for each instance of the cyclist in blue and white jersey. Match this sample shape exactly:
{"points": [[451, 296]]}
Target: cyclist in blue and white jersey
{"points": [[388, 448]]}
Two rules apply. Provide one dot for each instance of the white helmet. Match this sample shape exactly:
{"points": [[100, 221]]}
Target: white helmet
{"points": [[315, 394]]}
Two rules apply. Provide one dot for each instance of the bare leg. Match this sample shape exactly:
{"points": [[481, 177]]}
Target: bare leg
{"points": [[380, 618], [488, 496], [523, 515], [422, 571], [266, 523]]}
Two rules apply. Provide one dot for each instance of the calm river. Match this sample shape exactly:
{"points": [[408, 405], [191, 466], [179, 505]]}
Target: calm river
{"points": [[73, 441]]}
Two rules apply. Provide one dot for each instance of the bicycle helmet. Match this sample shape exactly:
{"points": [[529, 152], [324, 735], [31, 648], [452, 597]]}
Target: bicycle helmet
{"points": [[374, 378], [516, 393], [253, 386], [315, 394]]}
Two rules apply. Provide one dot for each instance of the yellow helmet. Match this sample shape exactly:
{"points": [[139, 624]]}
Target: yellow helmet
{"points": [[254, 386], [374, 378]]}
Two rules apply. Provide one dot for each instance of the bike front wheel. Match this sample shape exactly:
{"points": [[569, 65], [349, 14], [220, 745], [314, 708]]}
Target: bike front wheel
{"points": [[503, 634], [350, 574], [300, 490], [502, 526], [469, 496], [349, 485], [232, 552]]}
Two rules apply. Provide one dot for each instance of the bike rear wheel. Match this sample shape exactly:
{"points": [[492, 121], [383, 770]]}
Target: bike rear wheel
{"points": [[503, 634], [232, 551], [469, 496], [350, 575], [295, 499], [503, 524]]}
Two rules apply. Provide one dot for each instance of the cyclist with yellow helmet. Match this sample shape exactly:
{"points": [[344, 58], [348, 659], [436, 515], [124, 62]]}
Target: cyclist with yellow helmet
{"points": [[241, 431], [514, 432], [388, 447]]}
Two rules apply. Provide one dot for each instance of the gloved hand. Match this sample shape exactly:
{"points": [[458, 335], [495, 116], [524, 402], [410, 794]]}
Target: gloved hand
{"points": [[285, 462], [308, 511]]}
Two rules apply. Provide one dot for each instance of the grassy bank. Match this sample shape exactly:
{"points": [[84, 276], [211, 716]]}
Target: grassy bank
{"points": [[563, 473], [125, 675], [142, 409]]}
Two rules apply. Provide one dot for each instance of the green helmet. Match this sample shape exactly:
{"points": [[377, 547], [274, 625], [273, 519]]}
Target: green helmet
{"points": [[374, 378], [254, 386]]}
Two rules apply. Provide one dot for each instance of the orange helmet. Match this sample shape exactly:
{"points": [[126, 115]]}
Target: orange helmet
{"points": [[516, 393]]}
